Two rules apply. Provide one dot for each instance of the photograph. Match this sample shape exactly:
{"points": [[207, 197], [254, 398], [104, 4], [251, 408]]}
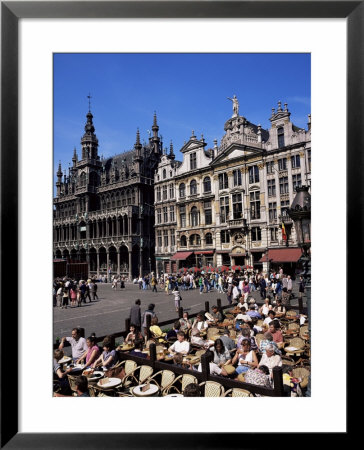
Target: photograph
{"points": [[181, 224]]}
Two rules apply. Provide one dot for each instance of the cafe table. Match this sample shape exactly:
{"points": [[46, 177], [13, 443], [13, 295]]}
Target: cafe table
{"points": [[151, 392]]}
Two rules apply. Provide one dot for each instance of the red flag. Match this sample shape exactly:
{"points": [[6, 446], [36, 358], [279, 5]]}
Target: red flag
{"points": [[284, 234]]}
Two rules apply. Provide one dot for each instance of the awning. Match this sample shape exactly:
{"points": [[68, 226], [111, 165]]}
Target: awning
{"points": [[181, 255], [206, 252], [281, 255]]}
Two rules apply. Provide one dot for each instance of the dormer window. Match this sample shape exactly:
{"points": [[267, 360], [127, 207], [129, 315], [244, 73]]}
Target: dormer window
{"points": [[193, 162], [280, 133]]}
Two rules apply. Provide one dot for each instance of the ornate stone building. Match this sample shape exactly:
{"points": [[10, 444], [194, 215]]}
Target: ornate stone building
{"points": [[104, 208], [228, 203]]}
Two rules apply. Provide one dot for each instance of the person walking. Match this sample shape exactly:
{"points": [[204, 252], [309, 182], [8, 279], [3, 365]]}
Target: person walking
{"points": [[135, 314], [150, 312], [154, 284], [177, 298]]}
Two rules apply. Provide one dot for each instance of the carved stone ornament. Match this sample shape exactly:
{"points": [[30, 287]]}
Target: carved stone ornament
{"points": [[239, 238]]}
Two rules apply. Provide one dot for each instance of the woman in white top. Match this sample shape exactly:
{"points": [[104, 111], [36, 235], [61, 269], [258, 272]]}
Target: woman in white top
{"points": [[245, 357], [265, 308]]}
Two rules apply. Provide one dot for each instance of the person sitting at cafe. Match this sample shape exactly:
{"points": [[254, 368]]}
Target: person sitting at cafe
{"points": [[157, 333], [227, 341], [172, 334], [271, 316], [276, 333], [266, 307], [252, 312], [133, 334], [78, 344], [138, 347], [279, 309], [200, 323], [214, 368], [81, 383], [192, 390], [185, 322], [246, 334], [108, 357], [217, 316], [181, 345], [91, 354], [241, 318], [178, 359], [221, 354], [270, 359], [245, 357], [268, 340], [197, 340], [59, 374], [258, 376]]}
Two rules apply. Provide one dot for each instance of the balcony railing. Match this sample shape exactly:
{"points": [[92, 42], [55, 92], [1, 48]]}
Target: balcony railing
{"points": [[237, 223]]}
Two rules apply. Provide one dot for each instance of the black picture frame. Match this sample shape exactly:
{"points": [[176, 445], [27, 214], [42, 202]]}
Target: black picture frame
{"points": [[11, 12]]}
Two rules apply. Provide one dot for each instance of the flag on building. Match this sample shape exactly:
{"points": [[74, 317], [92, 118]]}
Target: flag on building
{"points": [[284, 234]]}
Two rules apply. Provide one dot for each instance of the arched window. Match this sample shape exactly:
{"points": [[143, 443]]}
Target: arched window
{"points": [[183, 241], [194, 216], [193, 187], [164, 174], [208, 238], [112, 201], [83, 179], [182, 190], [195, 239], [207, 184]]}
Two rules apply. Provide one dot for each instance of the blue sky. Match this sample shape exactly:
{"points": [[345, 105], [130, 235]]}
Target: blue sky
{"points": [[187, 91]]}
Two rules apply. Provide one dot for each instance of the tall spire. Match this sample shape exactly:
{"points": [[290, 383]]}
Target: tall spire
{"points": [[89, 102], [155, 139], [89, 140]]}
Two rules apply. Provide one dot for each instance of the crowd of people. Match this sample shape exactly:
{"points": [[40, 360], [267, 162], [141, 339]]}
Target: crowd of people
{"points": [[68, 292]]}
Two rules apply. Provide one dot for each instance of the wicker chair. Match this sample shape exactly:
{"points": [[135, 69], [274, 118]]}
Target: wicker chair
{"points": [[303, 332], [298, 343], [294, 326], [258, 338], [303, 373], [144, 373], [167, 378], [291, 314], [237, 392], [184, 379], [213, 331], [129, 367], [213, 389]]}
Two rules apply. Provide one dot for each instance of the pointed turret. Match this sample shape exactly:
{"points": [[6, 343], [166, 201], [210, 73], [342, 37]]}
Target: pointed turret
{"points": [[155, 138], [89, 140], [171, 152], [59, 179]]}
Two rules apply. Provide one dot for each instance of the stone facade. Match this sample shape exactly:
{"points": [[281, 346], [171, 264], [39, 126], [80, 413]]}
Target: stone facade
{"points": [[228, 203], [104, 208]]}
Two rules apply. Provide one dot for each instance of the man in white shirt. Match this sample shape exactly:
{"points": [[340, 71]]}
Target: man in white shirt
{"points": [[77, 342], [181, 345], [214, 368]]}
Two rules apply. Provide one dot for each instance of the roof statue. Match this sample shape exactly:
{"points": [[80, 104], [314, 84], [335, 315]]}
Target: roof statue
{"points": [[235, 105]]}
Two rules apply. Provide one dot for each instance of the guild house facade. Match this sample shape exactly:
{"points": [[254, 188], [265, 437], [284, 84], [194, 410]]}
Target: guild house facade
{"points": [[227, 205], [104, 208]]}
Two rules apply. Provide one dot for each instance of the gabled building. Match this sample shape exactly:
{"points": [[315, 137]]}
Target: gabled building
{"points": [[231, 200]]}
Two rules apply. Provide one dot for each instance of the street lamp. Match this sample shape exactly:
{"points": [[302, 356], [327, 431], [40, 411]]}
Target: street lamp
{"points": [[300, 213], [150, 265]]}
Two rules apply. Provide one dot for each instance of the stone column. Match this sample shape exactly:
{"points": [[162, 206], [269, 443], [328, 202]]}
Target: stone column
{"points": [[118, 257], [98, 263], [130, 265], [107, 263]]}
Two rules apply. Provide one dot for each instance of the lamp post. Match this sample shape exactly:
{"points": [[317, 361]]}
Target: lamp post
{"points": [[150, 265], [300, 213]]}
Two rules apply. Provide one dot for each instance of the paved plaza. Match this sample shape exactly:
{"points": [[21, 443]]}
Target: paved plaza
{"points": [[107, 315]]}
